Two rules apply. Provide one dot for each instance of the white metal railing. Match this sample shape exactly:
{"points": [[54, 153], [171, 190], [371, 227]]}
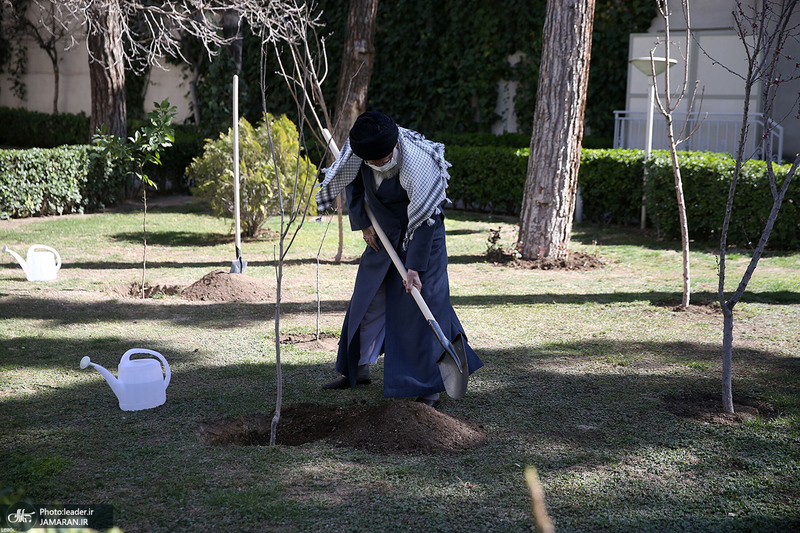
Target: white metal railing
{"points": [[716, 132]]}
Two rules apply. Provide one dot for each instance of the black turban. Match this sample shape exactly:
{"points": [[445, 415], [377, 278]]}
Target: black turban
{"points": [[373, 136]]}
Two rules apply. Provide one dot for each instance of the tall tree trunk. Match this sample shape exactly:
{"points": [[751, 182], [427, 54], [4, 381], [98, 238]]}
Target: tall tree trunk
{"points": [[358, 58], [107, 70], [548, 203]]}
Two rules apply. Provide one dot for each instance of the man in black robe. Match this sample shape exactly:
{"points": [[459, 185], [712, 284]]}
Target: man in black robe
{"points": [[403, 177]]}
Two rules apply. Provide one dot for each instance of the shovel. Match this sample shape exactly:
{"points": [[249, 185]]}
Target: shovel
{"points": [[452, 364], [237, 267]]}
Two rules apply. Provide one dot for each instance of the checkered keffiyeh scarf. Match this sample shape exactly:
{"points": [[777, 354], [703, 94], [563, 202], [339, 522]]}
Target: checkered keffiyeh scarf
{"points": [[423, 174]]}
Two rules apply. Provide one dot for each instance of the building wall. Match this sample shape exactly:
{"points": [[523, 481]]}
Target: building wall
{"points": [[715, 55], [74, 84]]}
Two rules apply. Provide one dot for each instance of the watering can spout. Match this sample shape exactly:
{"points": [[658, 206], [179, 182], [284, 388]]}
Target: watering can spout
{"points": [[116, 386], [19, 259]]}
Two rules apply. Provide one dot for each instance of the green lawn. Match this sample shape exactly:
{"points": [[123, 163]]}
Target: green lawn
{"points": [[590, 376]]}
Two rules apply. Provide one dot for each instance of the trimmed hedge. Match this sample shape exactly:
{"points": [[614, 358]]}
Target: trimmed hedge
{"points": [[487, 178], [56, 181], [41, 182], [31, 129], [508, 140], [612, 184], [706, 180]]}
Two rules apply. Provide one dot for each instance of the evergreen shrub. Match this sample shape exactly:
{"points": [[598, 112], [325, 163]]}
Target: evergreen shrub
{"points": [[486, 178], [56, 181], [706, 181], [31, 129], [213, 173]]}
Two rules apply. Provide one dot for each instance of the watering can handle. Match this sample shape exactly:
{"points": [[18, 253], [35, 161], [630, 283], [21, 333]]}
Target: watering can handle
{"points": [[58, 256], [127, 356]]}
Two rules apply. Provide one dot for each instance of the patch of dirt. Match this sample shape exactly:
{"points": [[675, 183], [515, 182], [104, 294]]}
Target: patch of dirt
{"points": [[698, 308], [398, 426], [707, 408], [134, 290], [326, 342], [573, 261], [222, 286]]}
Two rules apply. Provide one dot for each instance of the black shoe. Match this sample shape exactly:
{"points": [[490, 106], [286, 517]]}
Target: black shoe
{"points": [[430, 403], [344, 383]]}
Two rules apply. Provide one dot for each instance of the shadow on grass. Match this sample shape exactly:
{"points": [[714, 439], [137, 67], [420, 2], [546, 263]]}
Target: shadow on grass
{"points": [[656, 298], [219, 314], [175, 238], [588, 433]]}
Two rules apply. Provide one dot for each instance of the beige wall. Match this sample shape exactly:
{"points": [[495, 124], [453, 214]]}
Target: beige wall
{"points": [[74, 87], [713, 24]]}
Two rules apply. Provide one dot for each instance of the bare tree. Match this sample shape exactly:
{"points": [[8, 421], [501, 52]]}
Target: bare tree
{"points": [[134, 33], [666, 107], [304, 76], [764, 30], [304, 73], [36, 20], [548, 203]]}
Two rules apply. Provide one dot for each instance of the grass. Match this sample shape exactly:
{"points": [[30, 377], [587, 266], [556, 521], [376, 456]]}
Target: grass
{"points": [[580, 369]]}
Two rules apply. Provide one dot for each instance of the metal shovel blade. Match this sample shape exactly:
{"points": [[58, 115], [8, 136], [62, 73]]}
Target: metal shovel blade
{"points": [[237, 267], [454, 368]]}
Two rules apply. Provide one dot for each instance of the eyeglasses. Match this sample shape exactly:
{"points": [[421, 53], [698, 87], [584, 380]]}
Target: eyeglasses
{"points": [[381, 162]]}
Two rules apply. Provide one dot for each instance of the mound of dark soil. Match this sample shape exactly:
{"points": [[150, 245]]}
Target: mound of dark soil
{"points": [[392, 427], [222, 286], [573, 261]]}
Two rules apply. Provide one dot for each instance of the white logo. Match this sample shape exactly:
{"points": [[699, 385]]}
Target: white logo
{"points": [[20, 516]]}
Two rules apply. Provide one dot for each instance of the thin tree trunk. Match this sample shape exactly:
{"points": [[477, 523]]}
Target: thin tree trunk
{"points": [[273, 433], [55, 87], [676, 171], [193, 92], [667, 110], [772, 20], [727, 359], [144, 234], [106, 71], [548, 203]]}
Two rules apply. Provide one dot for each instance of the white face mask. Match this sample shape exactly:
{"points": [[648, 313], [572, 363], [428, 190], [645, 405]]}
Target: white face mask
{"points": [[387, 166]]}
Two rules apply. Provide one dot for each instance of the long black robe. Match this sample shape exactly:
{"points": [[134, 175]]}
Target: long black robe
{"points": [[411, 349]]}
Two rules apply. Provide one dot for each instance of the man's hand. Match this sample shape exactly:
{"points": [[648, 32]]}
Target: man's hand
{"points": [[412, 281], [371, 238]]}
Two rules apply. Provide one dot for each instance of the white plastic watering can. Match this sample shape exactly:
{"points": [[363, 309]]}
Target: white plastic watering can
{"points": [[41, 265], [140, 385]]}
